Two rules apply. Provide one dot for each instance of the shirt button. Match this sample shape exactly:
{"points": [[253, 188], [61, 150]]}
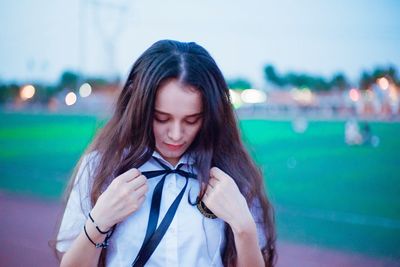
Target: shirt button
{"points": [[172, 230]]}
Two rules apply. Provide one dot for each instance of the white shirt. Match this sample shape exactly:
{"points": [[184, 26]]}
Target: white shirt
{"points": [[191, 239]]}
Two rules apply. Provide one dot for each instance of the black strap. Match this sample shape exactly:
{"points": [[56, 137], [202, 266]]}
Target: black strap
{"points": [[153, 234]]}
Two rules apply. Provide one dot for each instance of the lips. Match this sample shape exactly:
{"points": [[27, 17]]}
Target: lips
{"points": [[173, 147]]}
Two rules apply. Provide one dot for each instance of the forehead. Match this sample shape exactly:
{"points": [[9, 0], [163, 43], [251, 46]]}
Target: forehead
{"points": [[177, 99]]}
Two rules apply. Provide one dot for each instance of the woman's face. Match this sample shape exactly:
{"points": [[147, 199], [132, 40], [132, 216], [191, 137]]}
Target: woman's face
{"points": [[177, 119]]}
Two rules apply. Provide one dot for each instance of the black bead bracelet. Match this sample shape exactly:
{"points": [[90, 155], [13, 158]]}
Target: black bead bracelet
{"points": [[104, 244], [97, 227], [108, 234]]}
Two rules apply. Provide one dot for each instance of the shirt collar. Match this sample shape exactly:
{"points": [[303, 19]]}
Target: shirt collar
{"points": [[185, 159]]}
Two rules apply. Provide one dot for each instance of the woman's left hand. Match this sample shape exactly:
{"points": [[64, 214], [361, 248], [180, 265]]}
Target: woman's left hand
{"points": [[224, 199]]}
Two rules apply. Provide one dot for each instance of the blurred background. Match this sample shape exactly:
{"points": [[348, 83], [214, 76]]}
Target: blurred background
{"points": [[315, 85]]}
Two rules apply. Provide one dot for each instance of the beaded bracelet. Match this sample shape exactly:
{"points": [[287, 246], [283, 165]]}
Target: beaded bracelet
{"points": [[104, 244], [205, 211], [97, 227]]}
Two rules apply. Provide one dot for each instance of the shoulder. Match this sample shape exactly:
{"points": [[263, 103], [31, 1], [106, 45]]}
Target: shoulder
{"points": [[78, 193], [87, 166], [84, 174], [92, 158]]}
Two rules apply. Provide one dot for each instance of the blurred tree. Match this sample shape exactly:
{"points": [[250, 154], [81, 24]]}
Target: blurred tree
{"points": [[392, 73], [319, 84], [366, 80], [97, 81], [239, 84], [340, 82], [305, 80], [273, 77], [388, 72], [46, 92], [299, 80], [8, 92], [69, 79]]}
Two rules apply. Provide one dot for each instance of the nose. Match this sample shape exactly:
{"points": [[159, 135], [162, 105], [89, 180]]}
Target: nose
{"points": [[175, 132]]}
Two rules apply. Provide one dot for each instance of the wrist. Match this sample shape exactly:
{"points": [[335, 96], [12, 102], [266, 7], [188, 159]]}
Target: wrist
{"points": [[99, 228], [94, 234], [244, 226], [95, 237], [98, 220]]}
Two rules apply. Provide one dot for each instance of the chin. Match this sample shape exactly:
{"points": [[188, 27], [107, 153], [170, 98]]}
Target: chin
{"points": [[169, 154]]}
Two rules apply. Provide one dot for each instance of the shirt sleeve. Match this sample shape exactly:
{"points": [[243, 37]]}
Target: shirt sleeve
{"points": [[78, 204], [256, 211]]}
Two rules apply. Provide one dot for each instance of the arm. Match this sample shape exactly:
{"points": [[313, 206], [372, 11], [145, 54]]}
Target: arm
{"points": [[224, 199], [83, 252], [246, 242], [123, 196]]}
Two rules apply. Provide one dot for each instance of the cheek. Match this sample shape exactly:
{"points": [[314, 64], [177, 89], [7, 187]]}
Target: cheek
{"points": [[194, 131], [158, 131]]}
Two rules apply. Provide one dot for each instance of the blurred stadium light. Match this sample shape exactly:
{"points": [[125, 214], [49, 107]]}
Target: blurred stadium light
{"points": [[27, 92], [252, 96], [85, 90], [70, 98]]}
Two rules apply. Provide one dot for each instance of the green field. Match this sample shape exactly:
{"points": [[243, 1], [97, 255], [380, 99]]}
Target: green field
{"points": [[324, 192]]}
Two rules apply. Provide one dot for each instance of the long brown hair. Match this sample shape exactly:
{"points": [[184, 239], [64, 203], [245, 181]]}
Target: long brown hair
{"points": [[218, 142]]}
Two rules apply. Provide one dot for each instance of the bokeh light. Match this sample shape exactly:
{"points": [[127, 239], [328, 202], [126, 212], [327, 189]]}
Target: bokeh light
{"points": [[252, 96], [27, 92], [393, 93], [85, 90], [383, 83], [70, 98], [354, 95], [303, 96], [235, 98]]}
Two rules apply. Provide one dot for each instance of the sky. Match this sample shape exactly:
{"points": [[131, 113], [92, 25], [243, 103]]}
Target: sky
{"points": [[40, 39]]}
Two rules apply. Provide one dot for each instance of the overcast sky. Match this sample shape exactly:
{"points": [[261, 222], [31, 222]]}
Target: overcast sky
{"points": [[40, 39]]}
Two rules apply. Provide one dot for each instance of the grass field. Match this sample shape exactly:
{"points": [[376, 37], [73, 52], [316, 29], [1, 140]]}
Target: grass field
{"points": [[324, 192]]}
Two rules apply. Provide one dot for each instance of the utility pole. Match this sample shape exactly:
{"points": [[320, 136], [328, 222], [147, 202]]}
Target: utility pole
{"points": [[109, 17]]}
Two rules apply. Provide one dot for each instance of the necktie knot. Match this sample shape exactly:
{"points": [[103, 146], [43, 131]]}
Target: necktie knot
{"points": [[167, 170]]}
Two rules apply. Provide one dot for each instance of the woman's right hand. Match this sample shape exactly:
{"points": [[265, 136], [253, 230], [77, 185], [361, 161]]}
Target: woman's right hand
{"points": [[122, 197]]}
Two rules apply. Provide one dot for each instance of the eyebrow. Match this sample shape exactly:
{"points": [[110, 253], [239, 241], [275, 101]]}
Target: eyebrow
{"points": [[165, 113]]}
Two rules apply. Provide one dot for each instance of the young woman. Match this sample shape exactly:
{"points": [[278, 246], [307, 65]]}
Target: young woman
{"points": [[167, 181]]}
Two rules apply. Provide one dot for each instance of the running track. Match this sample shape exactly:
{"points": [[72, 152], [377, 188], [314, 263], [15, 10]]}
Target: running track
{"points": [[26, 225]]}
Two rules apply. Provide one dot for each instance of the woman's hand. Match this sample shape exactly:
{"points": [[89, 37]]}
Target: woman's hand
{"points": [[122, 197], [224, 199]]}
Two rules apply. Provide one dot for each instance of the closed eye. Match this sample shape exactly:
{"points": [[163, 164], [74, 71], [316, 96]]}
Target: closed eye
{"points": [[160, 120], [192, 121]]}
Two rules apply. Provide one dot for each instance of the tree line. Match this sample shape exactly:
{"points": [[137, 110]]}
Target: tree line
{"points": [[70, 81], [338, 81]]}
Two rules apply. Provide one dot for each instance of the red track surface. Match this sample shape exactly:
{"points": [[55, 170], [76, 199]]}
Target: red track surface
{"points": [[26, 225]]}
